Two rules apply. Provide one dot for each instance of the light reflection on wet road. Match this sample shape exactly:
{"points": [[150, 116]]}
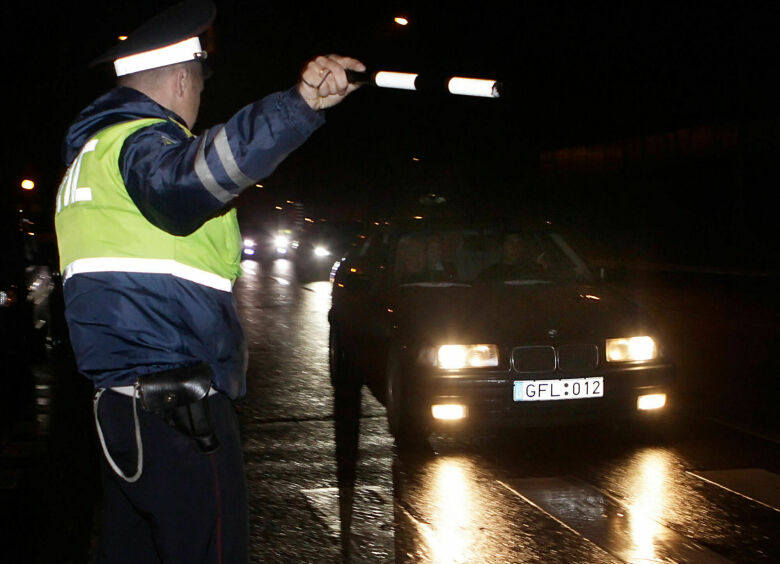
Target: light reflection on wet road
{"points": [[329, 486]]}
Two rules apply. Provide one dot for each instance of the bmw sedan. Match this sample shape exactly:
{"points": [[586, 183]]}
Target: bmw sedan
{"points": [[461, 323]]}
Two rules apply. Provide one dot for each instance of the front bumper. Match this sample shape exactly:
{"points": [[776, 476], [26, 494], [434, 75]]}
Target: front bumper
{"points": [[488, 396]]}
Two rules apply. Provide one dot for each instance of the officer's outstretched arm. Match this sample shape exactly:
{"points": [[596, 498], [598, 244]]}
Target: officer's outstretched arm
{"points": [[179, 182]]}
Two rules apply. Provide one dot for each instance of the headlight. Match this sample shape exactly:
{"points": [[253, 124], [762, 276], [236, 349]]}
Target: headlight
{"points": [[467, 356], [7, 297], [281, 241], [321, 251], [633, 348], [249, 243]]}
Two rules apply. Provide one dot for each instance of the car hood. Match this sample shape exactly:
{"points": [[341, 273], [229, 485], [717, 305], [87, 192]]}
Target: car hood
{"points": [[534, 313]]}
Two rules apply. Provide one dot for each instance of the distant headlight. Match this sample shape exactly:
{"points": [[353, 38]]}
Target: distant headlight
{"points": [[321, 252], [281, 242], [634, 348], [467, 356], [7, 298], [249, 243]]}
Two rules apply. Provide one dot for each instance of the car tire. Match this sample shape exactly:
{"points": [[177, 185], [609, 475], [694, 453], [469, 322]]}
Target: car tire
{"points": [[343, 376], [406, 419]]}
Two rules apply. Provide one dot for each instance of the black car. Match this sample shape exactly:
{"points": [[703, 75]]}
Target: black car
{"points": [[456, 322], [30, 290]]}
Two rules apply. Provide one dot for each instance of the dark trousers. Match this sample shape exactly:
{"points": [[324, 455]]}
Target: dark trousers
{"points": [[187, 506]]}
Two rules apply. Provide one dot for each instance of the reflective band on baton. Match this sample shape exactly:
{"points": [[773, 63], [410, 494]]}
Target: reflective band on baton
{"points": [[482, 87], [473, 87], [402, 80]]}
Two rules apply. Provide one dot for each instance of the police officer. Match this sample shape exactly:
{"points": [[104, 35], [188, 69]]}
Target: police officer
{"points": [[149, 250]]}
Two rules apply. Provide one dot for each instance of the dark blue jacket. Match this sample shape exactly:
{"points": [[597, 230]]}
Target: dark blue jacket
{"points": [[123, 325]]}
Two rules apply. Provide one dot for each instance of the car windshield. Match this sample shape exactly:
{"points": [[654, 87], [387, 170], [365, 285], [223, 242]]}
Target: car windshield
{"points": [[475, 255]]}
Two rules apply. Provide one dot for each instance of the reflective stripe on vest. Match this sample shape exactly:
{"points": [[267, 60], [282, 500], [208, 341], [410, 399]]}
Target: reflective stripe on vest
{"points": [[147, 266]]}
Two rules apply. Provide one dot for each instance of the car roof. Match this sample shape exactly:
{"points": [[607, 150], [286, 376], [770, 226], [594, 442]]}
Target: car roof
{"points": [[435, 221]]}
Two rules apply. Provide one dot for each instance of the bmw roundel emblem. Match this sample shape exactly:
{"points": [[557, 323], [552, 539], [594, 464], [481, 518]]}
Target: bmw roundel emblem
{"points": [[552, 333]]}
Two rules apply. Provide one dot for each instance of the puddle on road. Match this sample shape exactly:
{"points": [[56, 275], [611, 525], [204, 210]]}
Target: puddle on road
{"points": [[631, 534]]}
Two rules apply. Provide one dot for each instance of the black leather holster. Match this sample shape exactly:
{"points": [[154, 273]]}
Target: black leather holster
{"points": [[180, 396]]}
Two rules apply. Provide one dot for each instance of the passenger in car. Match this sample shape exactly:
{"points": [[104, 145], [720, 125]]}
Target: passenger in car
{"points": [[418, 261], [410, 261], [518, 259], [439, 267]]}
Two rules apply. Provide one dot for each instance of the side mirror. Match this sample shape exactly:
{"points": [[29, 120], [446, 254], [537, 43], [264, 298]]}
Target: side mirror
{"points": [[353, 275]]}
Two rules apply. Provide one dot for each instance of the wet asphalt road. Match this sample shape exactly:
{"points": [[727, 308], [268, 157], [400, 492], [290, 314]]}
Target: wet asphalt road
{"points": [[326, 483]]}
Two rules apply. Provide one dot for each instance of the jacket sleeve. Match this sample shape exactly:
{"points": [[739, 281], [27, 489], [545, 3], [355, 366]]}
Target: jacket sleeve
{"points": [[179, 182]]}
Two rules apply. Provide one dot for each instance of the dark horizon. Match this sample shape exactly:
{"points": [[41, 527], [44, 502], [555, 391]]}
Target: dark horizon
{"points": [[574, 76]]}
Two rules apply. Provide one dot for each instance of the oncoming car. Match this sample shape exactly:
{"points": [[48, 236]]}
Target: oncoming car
{"points": [[261, 245], [459, 323], [320, 245], [30, 292]]}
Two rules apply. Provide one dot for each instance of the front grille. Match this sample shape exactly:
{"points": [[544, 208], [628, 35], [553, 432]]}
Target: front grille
{"points": [[577, 357], [534, 359], [570, 358]]}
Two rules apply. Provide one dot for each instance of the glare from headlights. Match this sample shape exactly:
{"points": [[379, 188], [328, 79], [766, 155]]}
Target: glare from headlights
{"points": [[321, 251], [281, 242], [249, 243], [629, 349], [467, 356]]}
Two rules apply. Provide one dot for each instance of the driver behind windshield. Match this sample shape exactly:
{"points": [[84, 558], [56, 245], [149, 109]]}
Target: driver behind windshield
{"points": [[519, 258]]}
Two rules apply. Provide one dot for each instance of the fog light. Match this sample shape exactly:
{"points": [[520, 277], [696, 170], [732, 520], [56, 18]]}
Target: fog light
{"points": [[449, 411], [651, 401]]}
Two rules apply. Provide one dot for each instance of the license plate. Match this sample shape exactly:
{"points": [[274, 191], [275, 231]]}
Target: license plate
{"points": [[548, 390]]}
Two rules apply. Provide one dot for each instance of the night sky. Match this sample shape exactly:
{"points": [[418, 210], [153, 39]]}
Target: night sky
{"points": [[575, 74]]}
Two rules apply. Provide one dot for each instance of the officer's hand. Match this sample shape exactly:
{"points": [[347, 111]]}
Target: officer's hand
{"points": [[324, 80]]}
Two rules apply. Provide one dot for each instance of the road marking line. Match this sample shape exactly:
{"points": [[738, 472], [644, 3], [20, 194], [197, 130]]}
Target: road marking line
{"points": [[629, 534], [766, 436], [755, 484]]}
